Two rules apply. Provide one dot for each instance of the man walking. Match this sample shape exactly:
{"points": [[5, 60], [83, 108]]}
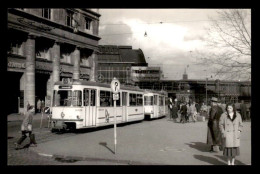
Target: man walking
{"points": [[214, 134], [175, 111]]}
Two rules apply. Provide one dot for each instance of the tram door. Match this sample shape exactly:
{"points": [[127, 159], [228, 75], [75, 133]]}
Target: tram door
{"points": [[90, 106], [124, 105], [155, 106]]}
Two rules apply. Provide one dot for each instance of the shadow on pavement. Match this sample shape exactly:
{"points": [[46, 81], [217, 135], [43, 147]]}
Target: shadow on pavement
{"points": [[105, 145], [237, 162], [203, 147], [209, 160]]}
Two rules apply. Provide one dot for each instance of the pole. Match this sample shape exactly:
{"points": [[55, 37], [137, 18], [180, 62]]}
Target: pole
{"points": [[115, 125], [206, 92], [41, 120]]}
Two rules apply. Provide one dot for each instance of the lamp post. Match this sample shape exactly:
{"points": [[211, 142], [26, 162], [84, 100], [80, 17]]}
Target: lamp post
{"points": [[206, 91], [206, 87]]}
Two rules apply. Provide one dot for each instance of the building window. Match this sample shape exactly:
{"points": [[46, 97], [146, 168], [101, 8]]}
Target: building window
{"points": [[46, 13], [87, 23], [69, 17]]}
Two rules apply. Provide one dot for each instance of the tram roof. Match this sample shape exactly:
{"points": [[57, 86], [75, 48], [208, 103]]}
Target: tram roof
{"points": [[97, 84], [154, 91]]}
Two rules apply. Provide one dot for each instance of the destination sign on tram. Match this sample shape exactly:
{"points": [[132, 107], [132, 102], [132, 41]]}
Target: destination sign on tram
{"points": [[65, 87]]}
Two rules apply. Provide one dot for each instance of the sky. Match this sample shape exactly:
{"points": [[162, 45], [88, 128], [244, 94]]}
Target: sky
{"points": [[173, 35]]}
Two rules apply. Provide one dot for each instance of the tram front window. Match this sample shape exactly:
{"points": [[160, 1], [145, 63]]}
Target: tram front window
{"points": [[67, 98], [148, 100]]}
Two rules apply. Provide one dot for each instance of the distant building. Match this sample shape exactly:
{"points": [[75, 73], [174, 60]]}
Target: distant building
{"points": [[117, 61], [146, 74]]}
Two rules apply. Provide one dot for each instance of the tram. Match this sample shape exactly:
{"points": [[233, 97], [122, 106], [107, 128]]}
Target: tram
{"points": [[155, 104], [82, 104]]}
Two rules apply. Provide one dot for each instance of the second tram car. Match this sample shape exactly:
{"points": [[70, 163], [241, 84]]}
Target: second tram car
{"points": [[84, 104], [155, 104]]}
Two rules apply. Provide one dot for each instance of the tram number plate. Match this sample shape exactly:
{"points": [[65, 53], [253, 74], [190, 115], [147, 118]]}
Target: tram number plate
{"points": [[115, 96]]}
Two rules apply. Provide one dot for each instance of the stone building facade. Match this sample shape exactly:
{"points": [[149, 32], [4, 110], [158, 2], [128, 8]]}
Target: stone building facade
{"points": [[46, 45]]}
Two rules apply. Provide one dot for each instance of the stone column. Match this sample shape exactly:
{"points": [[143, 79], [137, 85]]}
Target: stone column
{"points": [[55, 76], [56, 62], [30, 71], [93, 65], [76, 62]]}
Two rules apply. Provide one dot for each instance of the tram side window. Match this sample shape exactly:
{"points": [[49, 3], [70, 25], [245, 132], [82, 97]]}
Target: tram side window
{"points": [[62, 98], [124, 99], [93, 98], [118, 101], [139, 100], [105, 99], [86, 97], [155, 99], [77, 98], [160, 100], [132, 99]]}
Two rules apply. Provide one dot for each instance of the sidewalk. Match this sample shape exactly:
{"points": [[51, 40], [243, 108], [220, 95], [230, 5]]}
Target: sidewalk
{"points": [[19, 117]]}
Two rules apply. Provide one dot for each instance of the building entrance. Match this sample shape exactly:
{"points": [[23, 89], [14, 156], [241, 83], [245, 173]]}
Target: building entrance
{"points": [[40, 86], [14, 92]]}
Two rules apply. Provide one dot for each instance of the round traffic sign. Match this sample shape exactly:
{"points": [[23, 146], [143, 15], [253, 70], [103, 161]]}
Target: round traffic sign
{"points": [[115, 86]]}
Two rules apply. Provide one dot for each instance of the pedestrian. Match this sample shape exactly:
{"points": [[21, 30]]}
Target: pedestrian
{"points": [[213, 133], [230, 125], [197, 107], [42, 106], [203, 110], [171, 107], [38, 106], [243, 110], [188, 112], [26, 128], [183, 112], [175, 111], [193, 111], [223, 106]]}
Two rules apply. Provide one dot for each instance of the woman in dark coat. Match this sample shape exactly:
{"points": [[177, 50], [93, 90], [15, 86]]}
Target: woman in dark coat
{"points": [[230, 124], [183, 112]]}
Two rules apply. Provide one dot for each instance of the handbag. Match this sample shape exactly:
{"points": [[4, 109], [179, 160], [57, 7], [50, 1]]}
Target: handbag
{"points": [[28, 128]]}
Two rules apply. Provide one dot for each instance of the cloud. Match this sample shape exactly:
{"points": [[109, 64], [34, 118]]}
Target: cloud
{"points": [[167, 45], [190, 37]]}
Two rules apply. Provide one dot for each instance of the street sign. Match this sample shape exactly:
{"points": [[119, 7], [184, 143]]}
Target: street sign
{"points": [[115, 96], [115, 86]]}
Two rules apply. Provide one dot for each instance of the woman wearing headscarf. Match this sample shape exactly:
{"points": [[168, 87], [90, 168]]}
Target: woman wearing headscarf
{"points": [[230, 125]]}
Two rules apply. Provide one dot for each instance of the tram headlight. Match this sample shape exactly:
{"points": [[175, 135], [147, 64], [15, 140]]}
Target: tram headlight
{"points": [[78, 117]]}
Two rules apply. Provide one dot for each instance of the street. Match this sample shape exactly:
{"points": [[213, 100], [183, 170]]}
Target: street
{"points": [[155, 142]]}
